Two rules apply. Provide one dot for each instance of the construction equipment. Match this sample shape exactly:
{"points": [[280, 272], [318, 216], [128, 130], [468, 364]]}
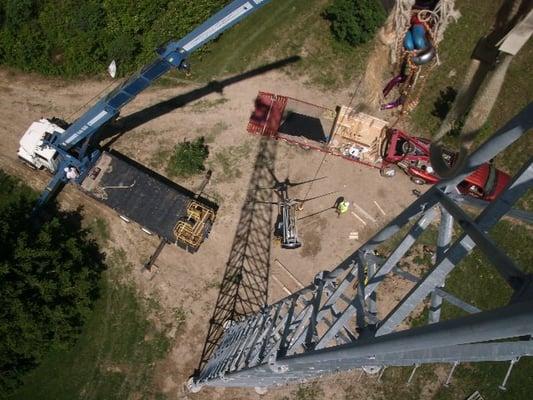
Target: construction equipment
{"points": [[140, 195], [412, 155], [56, 145], [364, 139], [333, 324], [184, 240], [285, 228], [69, 151], [195, 227]]}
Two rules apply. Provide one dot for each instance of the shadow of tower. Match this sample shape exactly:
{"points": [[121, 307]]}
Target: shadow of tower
{"points": [[244, 288]]}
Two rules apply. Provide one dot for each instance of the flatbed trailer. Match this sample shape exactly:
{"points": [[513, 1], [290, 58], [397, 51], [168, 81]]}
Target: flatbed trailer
{"points": [[343, 132], [158, 205]]}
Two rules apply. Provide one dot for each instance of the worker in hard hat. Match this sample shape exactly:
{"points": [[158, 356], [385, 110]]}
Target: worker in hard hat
{"points": [[71, 173], [342, 207]]}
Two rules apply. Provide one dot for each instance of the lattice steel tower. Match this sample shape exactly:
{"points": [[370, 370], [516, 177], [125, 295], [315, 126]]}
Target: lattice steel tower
{"points": [[333, 325]]}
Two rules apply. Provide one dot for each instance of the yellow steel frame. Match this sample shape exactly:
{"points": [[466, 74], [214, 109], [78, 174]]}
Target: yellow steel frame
{"points": [[190, 231]]}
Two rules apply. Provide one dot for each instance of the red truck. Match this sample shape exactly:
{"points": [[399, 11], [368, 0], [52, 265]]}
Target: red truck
{"points": [[411, 154]]}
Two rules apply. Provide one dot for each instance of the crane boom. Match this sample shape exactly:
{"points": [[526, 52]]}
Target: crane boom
{"points": [[170, 56], [59, 149]]}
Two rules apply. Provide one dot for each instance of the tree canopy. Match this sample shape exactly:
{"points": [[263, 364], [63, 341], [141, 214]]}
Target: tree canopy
{"points": [[188, 158], [355, 21], [49, 280], [72, 37]]}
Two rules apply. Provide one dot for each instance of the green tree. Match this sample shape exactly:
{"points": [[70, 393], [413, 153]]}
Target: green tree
{"points": [[49, 280], [188, 158], [72, 33], [18, 12], [73, 38], [355, 21]]}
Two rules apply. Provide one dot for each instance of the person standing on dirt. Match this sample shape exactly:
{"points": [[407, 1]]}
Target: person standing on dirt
{"points": [[342, 207]]}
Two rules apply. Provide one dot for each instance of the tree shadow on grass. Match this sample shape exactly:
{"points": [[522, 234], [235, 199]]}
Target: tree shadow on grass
{"points": [[444, 102]]}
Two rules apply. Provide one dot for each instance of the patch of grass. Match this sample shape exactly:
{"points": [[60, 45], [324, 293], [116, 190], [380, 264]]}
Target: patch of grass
{"points": [[428, 237], [172, 80], [180, 317], [486, 291], [422, 318], [422, 260], [160, 158], [214, 131], [279, 30], [390, 244], [118, 265], [355, 21], [477, 282], [114, 356], [188, 158], [225, 163], [206, 105], [454, 52], [100, 230], [306, 392], [489, 290], [395, 379], [486, 377], [213, 285]]}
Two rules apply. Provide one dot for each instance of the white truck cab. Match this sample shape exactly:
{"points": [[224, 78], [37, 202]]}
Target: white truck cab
{"points": [[33, 151]]}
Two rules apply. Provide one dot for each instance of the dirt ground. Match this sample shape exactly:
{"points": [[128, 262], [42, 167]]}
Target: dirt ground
{"points": [[164, 116]]}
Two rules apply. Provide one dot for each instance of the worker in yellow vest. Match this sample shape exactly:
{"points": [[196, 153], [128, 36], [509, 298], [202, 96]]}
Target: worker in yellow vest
{"points": [[342, 207]]}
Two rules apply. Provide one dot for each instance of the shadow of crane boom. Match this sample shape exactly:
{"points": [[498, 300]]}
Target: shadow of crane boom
{"points": [[138, 118]]}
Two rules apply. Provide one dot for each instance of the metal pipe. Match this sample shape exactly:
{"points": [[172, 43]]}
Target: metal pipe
{"points": [[501, 351], [372, 306], [449, 378], [503, 386], [511, 321], [443, 244], [497, 143], [381, 373], [461, 247], [412, 374]]}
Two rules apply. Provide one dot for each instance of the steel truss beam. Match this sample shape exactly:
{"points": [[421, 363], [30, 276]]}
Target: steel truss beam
{"points": [[334, 325]]}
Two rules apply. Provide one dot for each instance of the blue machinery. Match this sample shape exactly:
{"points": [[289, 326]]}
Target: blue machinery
{"points": [[73, 144]]}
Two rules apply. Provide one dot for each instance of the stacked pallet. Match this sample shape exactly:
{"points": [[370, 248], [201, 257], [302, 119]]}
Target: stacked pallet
{"points": [[359, 130]]}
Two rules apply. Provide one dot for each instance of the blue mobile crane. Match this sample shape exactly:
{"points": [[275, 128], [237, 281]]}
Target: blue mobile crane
{"points": [[66, 150], [137, 194]]}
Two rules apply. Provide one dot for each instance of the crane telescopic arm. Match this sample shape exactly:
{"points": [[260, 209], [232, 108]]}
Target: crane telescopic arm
{"points": [[69, 144], [172, 55]]}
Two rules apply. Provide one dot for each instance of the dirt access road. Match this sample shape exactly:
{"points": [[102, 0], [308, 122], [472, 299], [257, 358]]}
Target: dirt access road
{"points": [[155, 122]]}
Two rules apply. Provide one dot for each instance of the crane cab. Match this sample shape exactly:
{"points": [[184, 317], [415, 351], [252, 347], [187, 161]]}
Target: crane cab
{"points": [[32, 149]]}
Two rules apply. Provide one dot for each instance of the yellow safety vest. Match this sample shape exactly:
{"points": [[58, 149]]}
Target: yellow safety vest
{"points": [[343, 207]]}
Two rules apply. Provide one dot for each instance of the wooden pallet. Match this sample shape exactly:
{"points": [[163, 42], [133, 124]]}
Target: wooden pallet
{"points": [[360, 129]]}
